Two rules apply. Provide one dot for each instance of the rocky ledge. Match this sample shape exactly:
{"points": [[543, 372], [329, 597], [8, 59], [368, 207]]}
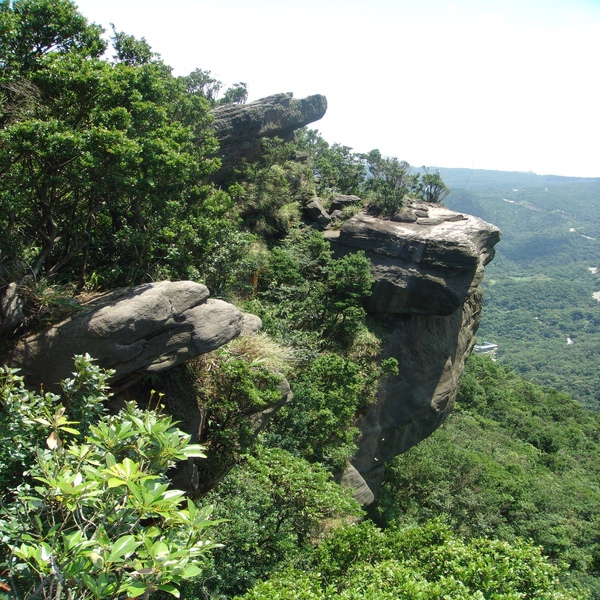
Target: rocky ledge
{"points": [[428, 265], [427, 269], [135, 331], [241, 127]]}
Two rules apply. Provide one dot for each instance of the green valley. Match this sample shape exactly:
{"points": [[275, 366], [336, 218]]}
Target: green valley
{"points": [[539, 290]]}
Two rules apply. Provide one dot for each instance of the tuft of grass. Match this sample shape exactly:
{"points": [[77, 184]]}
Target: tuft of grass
{"points": [[261, 350], [47, 303]]}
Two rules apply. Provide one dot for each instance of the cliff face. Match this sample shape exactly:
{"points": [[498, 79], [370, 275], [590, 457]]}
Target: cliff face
{"points": [[427, 296]]}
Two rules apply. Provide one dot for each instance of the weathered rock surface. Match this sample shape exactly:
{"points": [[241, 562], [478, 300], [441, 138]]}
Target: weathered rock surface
{"points": [[136, 331], [315, 212], [11, 308], [342, 201], [427, 272], [428, 266], [240, 127]]}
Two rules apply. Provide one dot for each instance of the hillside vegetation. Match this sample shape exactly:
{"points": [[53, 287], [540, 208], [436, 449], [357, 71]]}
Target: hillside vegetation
{"points": [[539, 291], [105, 162]]}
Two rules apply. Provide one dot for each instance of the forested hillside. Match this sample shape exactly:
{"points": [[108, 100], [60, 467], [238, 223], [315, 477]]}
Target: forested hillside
{"points": [[106, 164], [539, 291]]}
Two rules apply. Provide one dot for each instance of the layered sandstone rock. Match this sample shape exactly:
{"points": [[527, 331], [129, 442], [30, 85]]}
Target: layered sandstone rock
{"points": [[135, 331], [239, 128], [427, 271]]}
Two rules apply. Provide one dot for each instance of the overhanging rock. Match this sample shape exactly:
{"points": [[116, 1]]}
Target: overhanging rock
{"points": [[427, 270], [239, 128], [135, 331]]}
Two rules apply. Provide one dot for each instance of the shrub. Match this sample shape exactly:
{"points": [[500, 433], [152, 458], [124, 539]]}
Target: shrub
{"points": [[94, 516]]}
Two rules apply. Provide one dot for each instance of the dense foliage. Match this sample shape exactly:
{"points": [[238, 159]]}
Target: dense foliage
{"points": [[105, 167], [513, 461], [87, 510], [425, 562], [103, 162]]}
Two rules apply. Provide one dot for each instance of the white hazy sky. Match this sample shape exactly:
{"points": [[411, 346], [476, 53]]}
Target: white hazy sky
{"points": [[491, 84]]}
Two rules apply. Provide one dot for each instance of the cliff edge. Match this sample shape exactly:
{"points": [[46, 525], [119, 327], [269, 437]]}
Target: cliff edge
{"points": [[427, 296]]}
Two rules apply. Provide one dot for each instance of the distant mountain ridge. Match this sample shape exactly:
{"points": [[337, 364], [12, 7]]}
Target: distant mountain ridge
{"points": [[474, 178]]}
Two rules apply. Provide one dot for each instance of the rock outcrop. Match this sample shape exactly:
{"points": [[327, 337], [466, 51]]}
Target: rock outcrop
{"points": [[11, 309], [239, 128], [427, 271], [135, 331]]}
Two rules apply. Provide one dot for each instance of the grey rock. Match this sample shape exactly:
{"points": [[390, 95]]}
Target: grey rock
{"points": [[251, 323], [455, 218], [428, 221], [405, 216], [337, 215], [427, 297], [135, 331], [239, 128], [361, 492], [431, 352], [315, 212], [342, 201], [11, 308], [420, 268]]}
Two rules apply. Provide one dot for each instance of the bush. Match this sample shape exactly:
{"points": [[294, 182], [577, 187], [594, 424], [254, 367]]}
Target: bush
{"points": [[94, 516], [425, 562], [276, 507]]}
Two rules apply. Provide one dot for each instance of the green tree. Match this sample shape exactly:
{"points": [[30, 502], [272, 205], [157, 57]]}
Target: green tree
{"points": [[202, 83], [130, 51], [231, 389], [268, 192], [276, 507], [337, 170], [387, 184], [513, 460], [236, 94], [426, 562], [431, 187], [30, 30], [306, 289], [328, 395], [101, 161]]}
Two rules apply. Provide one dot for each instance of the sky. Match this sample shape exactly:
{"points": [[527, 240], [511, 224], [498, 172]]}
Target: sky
{"points": [[487, 84]]}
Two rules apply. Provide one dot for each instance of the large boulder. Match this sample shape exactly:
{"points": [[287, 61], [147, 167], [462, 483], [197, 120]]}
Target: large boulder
{"points": [[239, 128], [11, 308], [427, 269], [135, 331]]}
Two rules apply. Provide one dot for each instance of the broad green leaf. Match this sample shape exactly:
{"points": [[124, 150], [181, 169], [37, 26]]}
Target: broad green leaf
{"points": [[194, 451], [113, 482], [170, 589], [160, 551], [137, 588], [191, 571], [124, 546], [97, 560]]}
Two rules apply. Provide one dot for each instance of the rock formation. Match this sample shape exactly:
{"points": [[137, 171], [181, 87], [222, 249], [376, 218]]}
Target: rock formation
{"points": [[135, 331], [427, 263], [427, 271], [239, 128]]}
